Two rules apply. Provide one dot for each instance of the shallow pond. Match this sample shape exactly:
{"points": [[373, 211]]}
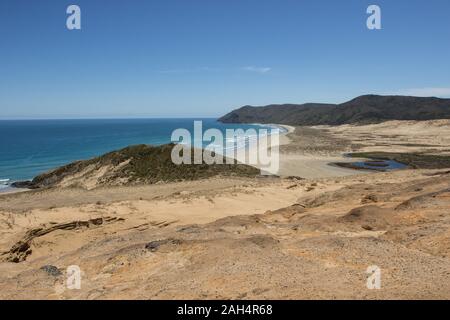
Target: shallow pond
{"points": [[380, 165]]}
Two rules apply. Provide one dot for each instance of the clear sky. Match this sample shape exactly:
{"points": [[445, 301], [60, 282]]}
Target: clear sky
{"points": [[202, 58]]}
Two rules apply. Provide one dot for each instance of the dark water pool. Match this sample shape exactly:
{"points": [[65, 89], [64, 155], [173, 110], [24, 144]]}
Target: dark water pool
{"points": [[380, 165], [372, 164]]}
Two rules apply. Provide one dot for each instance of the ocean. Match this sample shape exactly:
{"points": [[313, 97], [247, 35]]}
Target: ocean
{"points": [[31, 147]]}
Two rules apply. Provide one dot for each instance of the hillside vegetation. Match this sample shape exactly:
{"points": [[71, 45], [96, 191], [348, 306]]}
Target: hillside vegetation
{"points": [[140, 164], [362, 110]]}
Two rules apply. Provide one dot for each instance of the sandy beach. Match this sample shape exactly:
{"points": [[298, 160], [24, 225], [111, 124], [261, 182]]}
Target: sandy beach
{"points": [[310, 233], [301, 163], [225, 154]]}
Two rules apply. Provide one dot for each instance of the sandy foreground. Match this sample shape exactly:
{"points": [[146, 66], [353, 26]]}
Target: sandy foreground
{"points": [[311, 233]]}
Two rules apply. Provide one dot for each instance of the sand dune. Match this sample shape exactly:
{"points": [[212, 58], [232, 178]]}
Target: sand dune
{"points": [[243, 238]]}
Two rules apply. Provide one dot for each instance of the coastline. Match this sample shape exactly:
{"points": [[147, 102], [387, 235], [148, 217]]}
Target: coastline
{"points": [[273, 141], [225, 159], [274, 233], [89, 138], [305, 163], [239, 150], [10, 190], [305, 166]]}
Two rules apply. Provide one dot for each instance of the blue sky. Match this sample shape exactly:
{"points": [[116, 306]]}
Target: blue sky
{"points": [[202, 58]]}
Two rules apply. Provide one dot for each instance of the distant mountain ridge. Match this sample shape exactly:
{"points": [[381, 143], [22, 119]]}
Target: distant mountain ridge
{"points": [[361, 110]]}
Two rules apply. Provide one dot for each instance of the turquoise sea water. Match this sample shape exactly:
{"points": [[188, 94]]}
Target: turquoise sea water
{"points": [[31, 147]]}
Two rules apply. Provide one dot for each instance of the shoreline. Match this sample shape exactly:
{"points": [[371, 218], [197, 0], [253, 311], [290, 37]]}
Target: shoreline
{"points": [[251, 151], [310, 164], [143, 239], [302, 163], [308, 167], [150, 131], [11, 190]]}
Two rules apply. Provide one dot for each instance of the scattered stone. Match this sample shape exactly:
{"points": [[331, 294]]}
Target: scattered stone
{"points": [[189, 229], [154, 245], [294, 178], [370, 198], [52, 270], [258, 291]]}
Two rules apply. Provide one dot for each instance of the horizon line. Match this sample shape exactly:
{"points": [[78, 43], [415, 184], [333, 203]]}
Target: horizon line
{"points": [[103, 118]]}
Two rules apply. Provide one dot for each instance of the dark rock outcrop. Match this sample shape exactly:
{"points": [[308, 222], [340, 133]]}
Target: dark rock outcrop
{"points": [[24, 185], [22, 249], [51, 270], [154, 245]]}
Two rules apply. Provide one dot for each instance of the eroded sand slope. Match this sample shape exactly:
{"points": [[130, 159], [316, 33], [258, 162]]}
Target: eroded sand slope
{"points": [[276, 238]]}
